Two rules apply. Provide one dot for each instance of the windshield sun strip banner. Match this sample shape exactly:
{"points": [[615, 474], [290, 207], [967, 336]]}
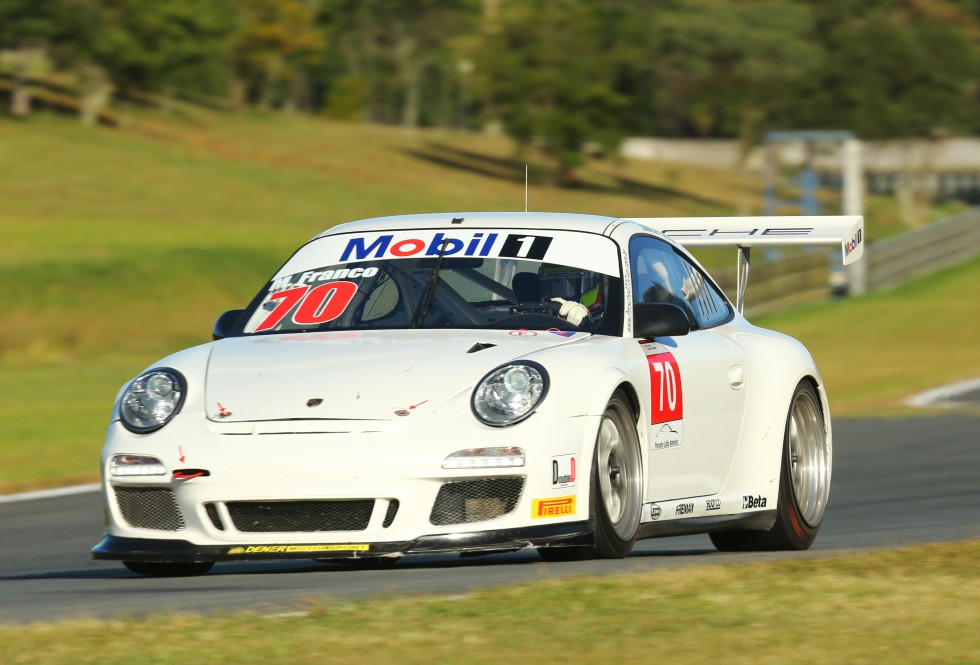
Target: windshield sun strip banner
{"points": [[589, 251]]}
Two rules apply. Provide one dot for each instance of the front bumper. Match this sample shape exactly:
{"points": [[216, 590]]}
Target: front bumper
{"points": [[149, 549], [230, 495]]}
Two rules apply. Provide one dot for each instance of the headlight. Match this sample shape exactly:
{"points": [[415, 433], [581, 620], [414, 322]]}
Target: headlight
{"points": [[152, 399], [509, 394], [485, 458], [136, 465]]}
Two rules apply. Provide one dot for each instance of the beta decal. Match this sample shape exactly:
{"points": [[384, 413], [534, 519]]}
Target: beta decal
{"points": [[317, 305], [297, 549], [563, 471], [557, 507], [753, 502]]}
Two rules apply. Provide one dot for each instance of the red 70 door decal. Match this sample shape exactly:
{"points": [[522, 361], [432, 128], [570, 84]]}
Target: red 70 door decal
{"points": [[666, 392]]}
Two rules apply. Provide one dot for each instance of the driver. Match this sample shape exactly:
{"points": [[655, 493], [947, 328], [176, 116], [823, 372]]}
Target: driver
{"points": [[571, 311]]}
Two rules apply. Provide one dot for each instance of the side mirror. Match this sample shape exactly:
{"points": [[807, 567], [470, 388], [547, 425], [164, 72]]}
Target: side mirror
{"points": [[226, 323], [659, 320]]}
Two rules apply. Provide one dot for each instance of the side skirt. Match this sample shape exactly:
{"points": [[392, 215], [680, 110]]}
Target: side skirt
{"points": [[760, 520]]}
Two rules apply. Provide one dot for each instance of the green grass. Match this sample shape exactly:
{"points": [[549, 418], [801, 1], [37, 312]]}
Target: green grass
{"points": [[875, 351], [120, 247], [913, 605]]}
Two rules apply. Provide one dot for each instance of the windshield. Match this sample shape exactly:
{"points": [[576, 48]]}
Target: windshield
{"points": [[424, 291]]}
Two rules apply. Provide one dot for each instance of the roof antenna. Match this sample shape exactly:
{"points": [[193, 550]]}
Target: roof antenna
{"points": [[525, 187]]}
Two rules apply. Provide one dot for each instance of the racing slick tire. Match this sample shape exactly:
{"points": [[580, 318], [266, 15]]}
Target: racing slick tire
{"points": [[616, 495], [804, 482], [169, 568]]}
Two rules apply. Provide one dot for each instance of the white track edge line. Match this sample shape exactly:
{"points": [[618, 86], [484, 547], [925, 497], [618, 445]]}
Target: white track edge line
{"points": [[50, 494], [941, 396]]}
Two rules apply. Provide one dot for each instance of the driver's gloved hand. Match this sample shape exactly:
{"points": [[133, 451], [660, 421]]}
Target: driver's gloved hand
{"points": [[573, 312]]}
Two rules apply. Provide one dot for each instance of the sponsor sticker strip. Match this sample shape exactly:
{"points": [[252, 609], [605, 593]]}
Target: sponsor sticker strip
{"points": [[297, 549], [687, 508]]}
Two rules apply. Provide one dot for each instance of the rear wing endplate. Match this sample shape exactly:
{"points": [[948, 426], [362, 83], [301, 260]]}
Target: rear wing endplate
{"points": [[744, 233]]}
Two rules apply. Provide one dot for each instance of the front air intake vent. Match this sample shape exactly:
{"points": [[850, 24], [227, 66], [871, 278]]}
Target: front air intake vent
{"points": [[466, 501], [390, 515], [300, 516], [212, 510], [149, 508]]}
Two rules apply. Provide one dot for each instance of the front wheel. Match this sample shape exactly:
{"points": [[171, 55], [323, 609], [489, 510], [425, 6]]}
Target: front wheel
{"points": [[804, 482], [615, 499], [168, 568]]}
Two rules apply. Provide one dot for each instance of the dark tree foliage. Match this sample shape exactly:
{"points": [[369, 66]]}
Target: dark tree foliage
{"points": [[150, 46], [550, 76], [25, 25], [560, 75], [892, 69]]}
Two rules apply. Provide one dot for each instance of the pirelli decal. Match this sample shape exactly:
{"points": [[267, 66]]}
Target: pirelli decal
{"points": [[561, 506], [297, 549]]}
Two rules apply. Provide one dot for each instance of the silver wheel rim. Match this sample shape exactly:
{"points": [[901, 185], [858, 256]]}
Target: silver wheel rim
{"points": [[619, 478], [808, 459]]}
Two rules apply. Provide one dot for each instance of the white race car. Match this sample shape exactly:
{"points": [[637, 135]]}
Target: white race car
{"points": [[477, 383]]}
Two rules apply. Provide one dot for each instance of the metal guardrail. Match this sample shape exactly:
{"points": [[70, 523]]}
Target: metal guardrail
{"points": [[925, 250], [806, 278]]}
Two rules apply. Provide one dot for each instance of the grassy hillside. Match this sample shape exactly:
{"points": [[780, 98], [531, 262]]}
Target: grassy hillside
{"points": [[120, 247], [875, 351]]}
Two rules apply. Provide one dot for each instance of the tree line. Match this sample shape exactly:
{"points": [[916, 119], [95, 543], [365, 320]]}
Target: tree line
{"points": [[556, 74]]}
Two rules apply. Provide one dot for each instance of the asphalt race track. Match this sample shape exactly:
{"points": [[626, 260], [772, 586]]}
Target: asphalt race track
{"points": [[895, 482]]}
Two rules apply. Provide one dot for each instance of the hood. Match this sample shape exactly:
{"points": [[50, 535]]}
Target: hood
{"points": [[357, 375]]}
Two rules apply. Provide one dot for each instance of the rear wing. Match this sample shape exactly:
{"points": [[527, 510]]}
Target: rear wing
{"points": [[769, 231]]}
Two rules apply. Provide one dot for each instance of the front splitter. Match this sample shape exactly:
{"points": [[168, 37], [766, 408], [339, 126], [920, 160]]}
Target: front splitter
{"points": [[567, 534]]}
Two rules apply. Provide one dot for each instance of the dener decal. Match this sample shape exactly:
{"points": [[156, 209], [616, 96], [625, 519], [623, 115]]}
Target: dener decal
{"points": [[301, 549]]}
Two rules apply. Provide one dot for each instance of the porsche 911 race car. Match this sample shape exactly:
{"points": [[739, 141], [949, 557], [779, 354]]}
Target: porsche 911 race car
{"points": [[477, 383]]}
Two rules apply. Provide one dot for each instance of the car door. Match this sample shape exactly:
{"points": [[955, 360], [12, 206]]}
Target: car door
{"points": [[696, 380]]}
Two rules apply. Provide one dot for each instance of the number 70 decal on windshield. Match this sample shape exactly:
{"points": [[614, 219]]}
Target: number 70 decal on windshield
{"points": [[317, 305]]}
